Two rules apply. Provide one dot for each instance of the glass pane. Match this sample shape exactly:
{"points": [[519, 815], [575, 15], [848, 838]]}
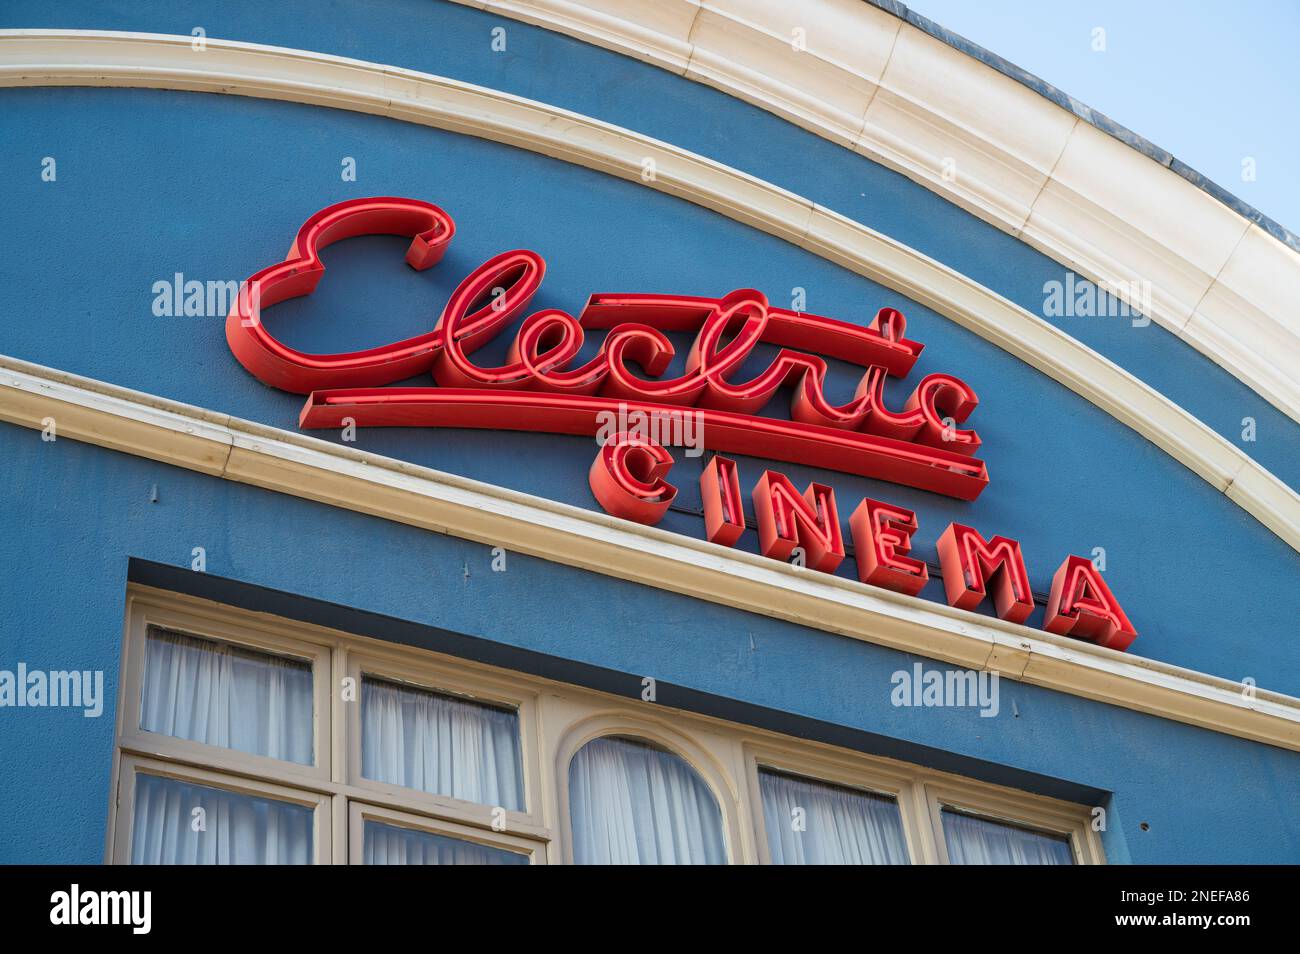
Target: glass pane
{"points": [[633, 803], [813, 823], [226, 695], [978, 841], [181, 823], [441, 744], [390, 845]]}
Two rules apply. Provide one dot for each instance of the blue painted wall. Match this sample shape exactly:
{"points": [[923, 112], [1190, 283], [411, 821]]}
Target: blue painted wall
{"points": [[152, 183], [83, 511]]}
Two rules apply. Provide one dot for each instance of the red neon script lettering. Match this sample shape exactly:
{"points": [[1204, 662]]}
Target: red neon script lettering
{"points": [[539, 387]]}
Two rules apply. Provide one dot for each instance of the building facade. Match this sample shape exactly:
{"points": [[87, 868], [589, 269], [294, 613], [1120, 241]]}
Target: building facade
{"points": [[725, 434]]}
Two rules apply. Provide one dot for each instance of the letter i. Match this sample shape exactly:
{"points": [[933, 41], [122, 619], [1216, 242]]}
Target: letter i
{"points": [[724, 514]]}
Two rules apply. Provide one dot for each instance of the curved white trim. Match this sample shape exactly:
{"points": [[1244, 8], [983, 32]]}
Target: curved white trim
{"points": [[82, 58], [302, 466], [873, 83]]}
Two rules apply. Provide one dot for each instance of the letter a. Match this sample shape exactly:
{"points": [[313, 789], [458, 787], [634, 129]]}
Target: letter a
{"points": [[1082, 605]]}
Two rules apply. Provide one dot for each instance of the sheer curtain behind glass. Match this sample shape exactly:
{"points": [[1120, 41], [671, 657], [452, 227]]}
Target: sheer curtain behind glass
{"points": [[978, 841], [390, 845], [225, 695], [441, 744], [633, 803], [236, 829], [840, 826]]}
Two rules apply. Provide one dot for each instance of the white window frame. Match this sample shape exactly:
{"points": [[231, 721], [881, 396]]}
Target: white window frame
{"points": [[219, 628], [705, 752], [361, 812], [397, 667], [1035, 812], [873, 777], [555, 720], [133, 766]]}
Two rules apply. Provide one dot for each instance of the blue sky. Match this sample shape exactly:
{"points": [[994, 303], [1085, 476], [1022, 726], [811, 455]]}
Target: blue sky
{"points": [[1211, 82]]}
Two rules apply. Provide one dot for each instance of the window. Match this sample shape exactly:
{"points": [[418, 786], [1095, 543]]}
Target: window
{"points": [[247, 739], [440, 744], [391, 845], [256, 742], [384, 836], [980, 841], [983, 825], [632, 802], [181, 823], [816, 823], [227, 695]]}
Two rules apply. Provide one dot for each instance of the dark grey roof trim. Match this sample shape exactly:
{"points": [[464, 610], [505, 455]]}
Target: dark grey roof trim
{"points": [[1092, 118]]}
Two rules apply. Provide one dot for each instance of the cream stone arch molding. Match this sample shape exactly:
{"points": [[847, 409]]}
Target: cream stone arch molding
{"points": [[709, 755], [94, 58], [867, 80]]}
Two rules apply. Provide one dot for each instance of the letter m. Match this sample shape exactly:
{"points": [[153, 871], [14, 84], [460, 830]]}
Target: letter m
{"points": [[970, 563]]}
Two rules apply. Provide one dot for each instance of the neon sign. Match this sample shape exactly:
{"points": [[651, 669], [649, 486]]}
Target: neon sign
{"points": [[542, 387]]}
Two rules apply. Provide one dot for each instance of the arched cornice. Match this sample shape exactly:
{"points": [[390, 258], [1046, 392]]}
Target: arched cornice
{"points": [[1074, 189]]}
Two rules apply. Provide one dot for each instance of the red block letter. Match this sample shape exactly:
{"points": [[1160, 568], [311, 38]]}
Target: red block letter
{"points": [[627, 478], [968, 561], [882, 537], [1082, 605], [786, 520], [724, 515]]}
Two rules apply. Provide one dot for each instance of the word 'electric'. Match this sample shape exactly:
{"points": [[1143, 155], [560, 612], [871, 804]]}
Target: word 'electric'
{"points": [[539, 388], [542, 387]]}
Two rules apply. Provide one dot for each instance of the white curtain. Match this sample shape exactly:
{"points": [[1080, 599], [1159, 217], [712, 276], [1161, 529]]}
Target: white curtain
{"points": [[228, 696], [977, 841], [632, 803], [812, 823], [233, 829], [441, 744], [390, 845]]}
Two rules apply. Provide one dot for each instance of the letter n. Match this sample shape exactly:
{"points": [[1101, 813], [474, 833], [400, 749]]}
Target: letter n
{"points": [[1082, 605], [787, 520], [970, 562]]}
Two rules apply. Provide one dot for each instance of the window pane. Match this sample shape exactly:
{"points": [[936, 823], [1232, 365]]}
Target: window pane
{"points": [[441, 744], [226, 695], [234, 829], [633, 803], [813, 823], [390, 845], [978, 841]]}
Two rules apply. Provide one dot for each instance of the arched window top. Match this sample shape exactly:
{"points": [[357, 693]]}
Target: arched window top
{"points": [[633, 801]]}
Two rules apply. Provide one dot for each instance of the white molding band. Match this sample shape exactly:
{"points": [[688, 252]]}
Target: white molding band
{"points": [[868, 81], [89, 58], [306, 467]]}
